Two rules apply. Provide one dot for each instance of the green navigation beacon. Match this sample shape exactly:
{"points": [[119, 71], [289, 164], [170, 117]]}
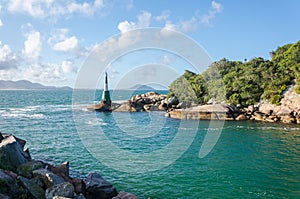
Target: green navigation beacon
{"points": [[105, 95]]}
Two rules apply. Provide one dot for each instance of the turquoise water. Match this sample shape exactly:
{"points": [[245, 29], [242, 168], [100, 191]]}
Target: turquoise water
{"points": [[250, 159]]}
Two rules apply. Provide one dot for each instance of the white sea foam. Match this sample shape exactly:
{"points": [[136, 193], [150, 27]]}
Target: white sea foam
{"points": [[25, 112], [17, 114], [96, 122]]}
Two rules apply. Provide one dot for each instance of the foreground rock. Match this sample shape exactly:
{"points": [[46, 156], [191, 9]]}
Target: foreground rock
{"points": [[97, 187], [101, 107], [124, 195], [24, 178], [12, 152]]}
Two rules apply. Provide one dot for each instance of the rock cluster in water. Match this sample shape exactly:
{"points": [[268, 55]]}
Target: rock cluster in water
{"points": [[22, 177], [287, 112], [150, 101], [261, 112]]}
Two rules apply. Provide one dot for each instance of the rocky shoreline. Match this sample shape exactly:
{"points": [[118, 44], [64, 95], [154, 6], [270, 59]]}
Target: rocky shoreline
{"points": [[22, 177], [287, 112]]}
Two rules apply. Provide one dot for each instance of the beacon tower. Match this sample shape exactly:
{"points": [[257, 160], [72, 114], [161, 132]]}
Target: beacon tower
{"points": [[105, 95]]}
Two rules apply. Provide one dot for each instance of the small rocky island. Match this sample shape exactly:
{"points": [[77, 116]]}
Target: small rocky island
{"points": [[22, 177], [287, 112]]}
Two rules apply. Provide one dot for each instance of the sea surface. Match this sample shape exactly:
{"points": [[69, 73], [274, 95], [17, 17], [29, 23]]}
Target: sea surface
{"points": [[248, 160]]}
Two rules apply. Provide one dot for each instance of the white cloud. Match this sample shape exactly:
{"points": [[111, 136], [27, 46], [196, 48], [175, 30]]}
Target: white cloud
{"points": [[215, 8], [31, 7], [50, 8], [144, 20], [59, 41], [8, 59], [68, 44], [4, 51], [164, 16], [32, 45], [1, 23], [183, 26], [112, 72], [85, 7], [43, 73], [68, 67]]}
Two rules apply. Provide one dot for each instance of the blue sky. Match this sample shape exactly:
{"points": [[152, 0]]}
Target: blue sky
{"points": [[48, 41]]}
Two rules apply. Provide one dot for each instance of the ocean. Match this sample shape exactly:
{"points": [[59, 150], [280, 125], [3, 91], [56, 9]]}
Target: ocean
{"points": [[151, 155]]}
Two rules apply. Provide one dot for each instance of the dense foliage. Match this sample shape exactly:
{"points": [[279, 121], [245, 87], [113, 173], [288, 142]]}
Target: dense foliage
{"points": [[243, 83]]}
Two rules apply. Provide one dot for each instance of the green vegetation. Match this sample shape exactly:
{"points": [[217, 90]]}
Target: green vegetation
{"points": [[243, 83]]}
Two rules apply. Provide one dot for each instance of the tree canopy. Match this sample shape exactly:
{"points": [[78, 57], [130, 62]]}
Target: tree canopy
{"points": [[244, 83]]}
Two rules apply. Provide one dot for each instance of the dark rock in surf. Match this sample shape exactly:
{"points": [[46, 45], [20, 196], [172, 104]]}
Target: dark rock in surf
{"points": [[48, 178], [12, 154], [125, 195], [98, 187], [34, 191], [65, 190]]}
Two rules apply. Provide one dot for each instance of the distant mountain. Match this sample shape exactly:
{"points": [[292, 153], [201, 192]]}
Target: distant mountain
{"points": [[141, 87], [27, 85]]}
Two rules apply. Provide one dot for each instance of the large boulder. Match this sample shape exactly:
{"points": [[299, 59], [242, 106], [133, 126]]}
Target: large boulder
{"points": [[101, 107], [64, 169], [80, 196], [124, 107], [203, 112], [125, 195], [27, 168], [12, 154], [291, 99], [2, 196], [267, 109], [288, 119], [79, 185], [8, 184], [241, 117], [99, 188], [284, 111], [173, 101], [64, 189], [35, 191], [48, 178], [150, 101]]}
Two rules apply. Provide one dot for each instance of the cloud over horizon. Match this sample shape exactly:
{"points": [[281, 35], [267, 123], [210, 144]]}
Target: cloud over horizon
{"points": [[53, 8]]}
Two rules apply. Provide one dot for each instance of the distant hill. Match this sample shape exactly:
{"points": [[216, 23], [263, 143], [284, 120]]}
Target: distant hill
{"points": [[141, 87], [27, 85]]}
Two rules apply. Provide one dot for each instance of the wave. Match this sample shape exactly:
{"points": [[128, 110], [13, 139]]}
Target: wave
{"points": [[277, 127], [21, 115], [96, 122]]}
